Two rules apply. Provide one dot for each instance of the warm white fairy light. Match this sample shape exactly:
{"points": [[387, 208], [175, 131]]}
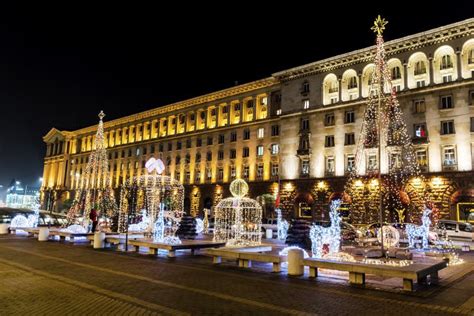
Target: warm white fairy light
{"points": [[397, 161], [331, 235], [160, 199], [74, 229], [95, 187], [393, 263], [238, 220], [284, 251], [415, 231], [339, 256], [199, 225], [391, 236]]}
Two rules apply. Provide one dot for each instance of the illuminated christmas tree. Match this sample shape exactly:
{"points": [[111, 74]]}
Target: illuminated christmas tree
{"points": [[95, 184], [385, 158]]}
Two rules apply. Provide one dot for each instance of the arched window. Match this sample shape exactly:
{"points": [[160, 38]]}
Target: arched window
{"points": [[352, 83], [470, 57], [396, 73], [198, 157], [178, 160], [446, 62], [420, 68], [187, 159]]}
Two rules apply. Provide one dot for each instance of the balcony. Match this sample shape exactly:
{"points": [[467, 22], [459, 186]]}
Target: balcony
{"points": [[329, 173], [420, 140], [450, 165]]}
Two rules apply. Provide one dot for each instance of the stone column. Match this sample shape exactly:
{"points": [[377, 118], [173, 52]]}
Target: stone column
{"points": [[339, 79], [360, 84], [459, 64], [405, 76], [430, 61]]}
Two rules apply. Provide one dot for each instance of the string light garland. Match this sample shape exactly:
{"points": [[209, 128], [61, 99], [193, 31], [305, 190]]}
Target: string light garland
{"points": [[385, 158], [331, 235], [95, 185], [155, 203], [238, 219], [20, 221]]}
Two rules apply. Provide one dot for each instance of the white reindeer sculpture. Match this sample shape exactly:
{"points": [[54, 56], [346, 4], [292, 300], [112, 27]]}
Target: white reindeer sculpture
{"points": [[282, 226], [327, 235], [414, 231]]}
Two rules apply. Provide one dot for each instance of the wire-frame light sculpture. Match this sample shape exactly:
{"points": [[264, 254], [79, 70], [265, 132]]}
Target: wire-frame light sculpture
{"points": [[160, 196], [238, 219]]}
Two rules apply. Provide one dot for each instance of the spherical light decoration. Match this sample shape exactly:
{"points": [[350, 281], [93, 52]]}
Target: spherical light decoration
{"points": [[391, 236], [239, 188]]}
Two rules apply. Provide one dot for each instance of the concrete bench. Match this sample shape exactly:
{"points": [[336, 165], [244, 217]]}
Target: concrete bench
{"points": [[72, 236], [193, 245], [245, 256], [357, 271]]}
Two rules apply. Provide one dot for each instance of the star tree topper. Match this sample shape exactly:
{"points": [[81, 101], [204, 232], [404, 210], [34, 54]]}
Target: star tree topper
{"points": [[379, 25]]}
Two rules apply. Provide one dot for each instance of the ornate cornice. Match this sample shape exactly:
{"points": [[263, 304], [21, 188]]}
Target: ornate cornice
{"points": [[393, 47], [54, 131], [211, 97]]}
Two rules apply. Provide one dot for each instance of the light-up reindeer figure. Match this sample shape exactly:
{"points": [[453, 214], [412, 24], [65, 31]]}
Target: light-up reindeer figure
{"points": [[331, 235], [414, 231]]}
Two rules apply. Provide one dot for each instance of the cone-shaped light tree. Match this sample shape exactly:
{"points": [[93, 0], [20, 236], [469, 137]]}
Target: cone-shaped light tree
{"points": [[95, 184], [385, 158]]}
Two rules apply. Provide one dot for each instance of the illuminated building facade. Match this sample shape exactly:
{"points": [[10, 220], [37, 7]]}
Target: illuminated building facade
{"points": [[299, 127]]}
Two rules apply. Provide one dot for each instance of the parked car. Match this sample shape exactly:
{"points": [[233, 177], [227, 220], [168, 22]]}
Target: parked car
{"points": [[454, 229]]}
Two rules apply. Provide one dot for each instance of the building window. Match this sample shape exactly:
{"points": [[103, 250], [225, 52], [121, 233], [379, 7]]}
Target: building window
{"points": [[232, 172], [224, 109], [177, 176], [170, 146], [198, 157], [420, 83], [209, 156], [421, 158], [471, 97], [220, 155], [209, 141], [419, 106], [275, 149], [352, 83], [449, 156], [447, 127], [236, 107], [160, 147], [274, 169], [329, 119], [396, 73], [203, 115], [275, 130], [250, 104], [198, 142], [137, 152], [372, 162], [188, 143], [221, 139], [178, 160], [350, 163], [305, 124], [192, 117], [349, 117], [470, 57], [447, 78], [334, 100], [178, 145], [306, 104], [246, 134], [233, 154], [187, 159], [260, 172], [245, 152], [220, 174], [278, 112], [305, 167], [152, 149], [197, 175], [208, 174], [330, 165], [305, 87], [264, 101], [446, 62], [446, 102], [259, 150], [261, 132], [472, 124], [420, 68], [349, 139], [246, 172], [329, 141], [213, 112], [233, 136], [420, 130], [136, 165], [181, 119]]}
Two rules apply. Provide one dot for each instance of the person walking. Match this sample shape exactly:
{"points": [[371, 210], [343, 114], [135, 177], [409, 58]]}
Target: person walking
{"points": [[93, 218]]}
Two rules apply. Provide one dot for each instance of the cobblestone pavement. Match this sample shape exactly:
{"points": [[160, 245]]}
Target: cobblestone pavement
{"points": [[52, 278]]}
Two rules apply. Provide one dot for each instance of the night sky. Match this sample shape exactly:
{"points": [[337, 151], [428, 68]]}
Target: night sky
{"points": [[59, 66]]}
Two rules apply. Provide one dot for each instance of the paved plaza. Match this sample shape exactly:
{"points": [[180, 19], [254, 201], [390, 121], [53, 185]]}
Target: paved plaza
{"points": [[53, 278]]}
